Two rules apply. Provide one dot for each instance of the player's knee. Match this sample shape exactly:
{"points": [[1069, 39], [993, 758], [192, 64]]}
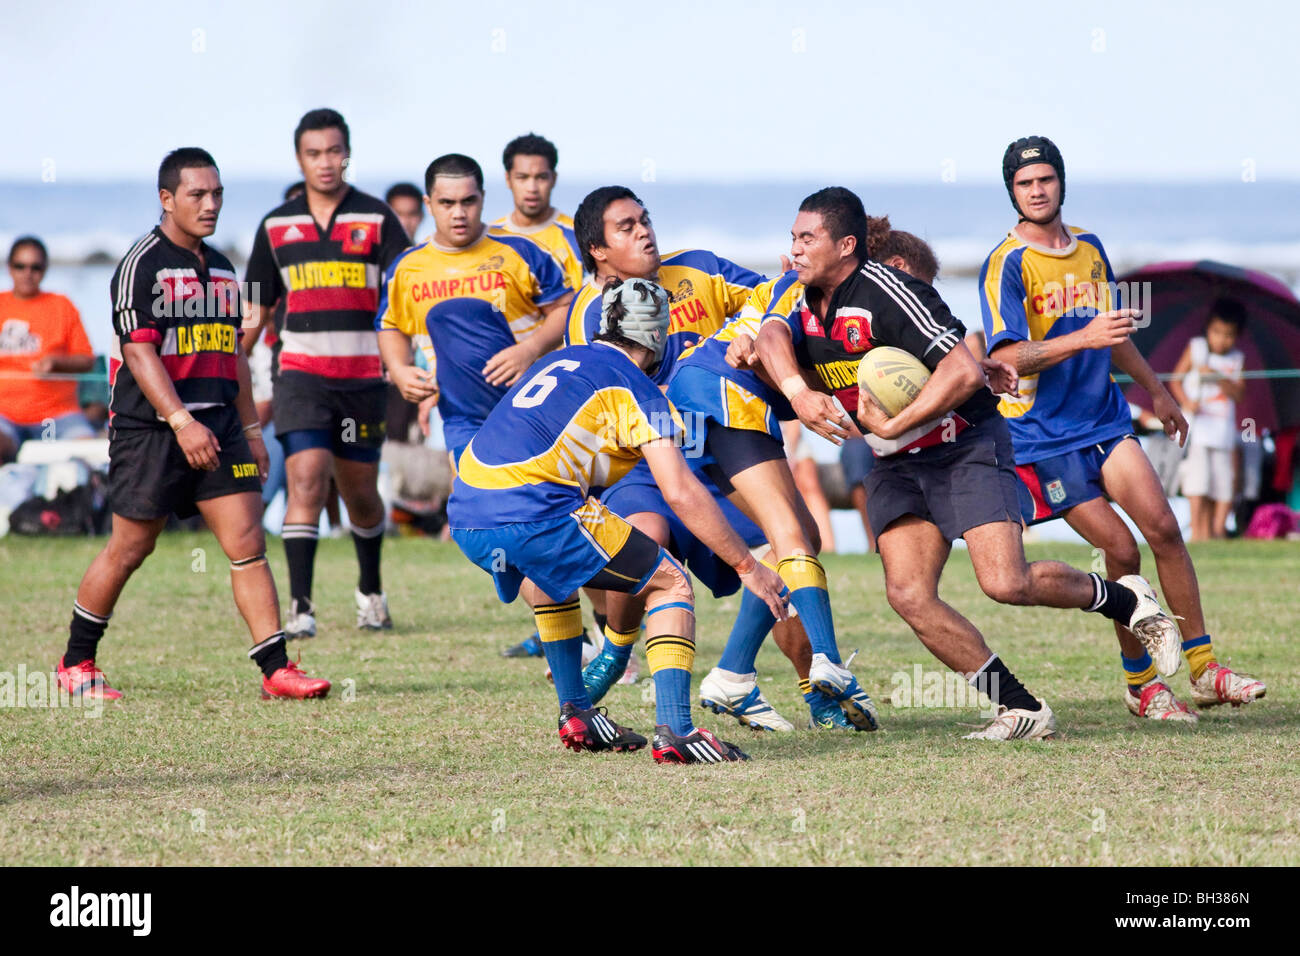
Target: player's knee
{"points": [[131, 554], [908, 598], [1164, 535], [669, 585], [1008, 588], [251, 541], [1123, 558], [309, 489]]}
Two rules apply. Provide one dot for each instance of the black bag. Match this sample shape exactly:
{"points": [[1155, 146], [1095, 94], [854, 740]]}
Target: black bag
{"points": [[80, 511]]}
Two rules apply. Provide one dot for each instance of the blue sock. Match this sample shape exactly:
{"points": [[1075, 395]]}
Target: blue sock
{"points": [[565, 660], [753, 622], [673, 700], [814, 607]]}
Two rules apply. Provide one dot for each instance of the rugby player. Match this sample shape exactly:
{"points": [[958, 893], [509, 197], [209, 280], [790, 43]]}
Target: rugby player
{"points": [[324, 253], [530, 163], [1047, 295], [407, 203], [523, 509], [184, 436], [943, 466]]}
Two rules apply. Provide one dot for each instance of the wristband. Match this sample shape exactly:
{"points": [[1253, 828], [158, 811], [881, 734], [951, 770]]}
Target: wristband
{"points": [[254, 430], [746, 566], [792, 386], [179, 419]]}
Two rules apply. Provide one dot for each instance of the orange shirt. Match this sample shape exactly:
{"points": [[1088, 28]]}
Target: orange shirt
{"points": [[31, 329]]}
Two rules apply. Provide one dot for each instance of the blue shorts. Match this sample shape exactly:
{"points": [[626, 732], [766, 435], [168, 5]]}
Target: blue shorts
{"points": [[701, 396], [856, 460], [1052, 486], [560, 555], [637, 492]]}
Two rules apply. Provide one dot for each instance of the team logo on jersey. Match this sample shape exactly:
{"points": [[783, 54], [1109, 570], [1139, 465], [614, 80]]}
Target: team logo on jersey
{"points": [[1055, 491], [853, 328], [491, 264], [685, 289], [1098, 270], [292, 234], [358, 241], [810, 324]]}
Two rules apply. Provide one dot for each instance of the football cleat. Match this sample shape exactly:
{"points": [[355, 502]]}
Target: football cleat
{"points": [[699, 746], [372, 612], [825, 714], [593, 730], [1157, 702], [302, 620], [85, 680], [290, 682], [1219, 685], [740, 699], [589, 652], [839, 684], [531, 646], [1157, 631], [1019, 724], [602, 673]]}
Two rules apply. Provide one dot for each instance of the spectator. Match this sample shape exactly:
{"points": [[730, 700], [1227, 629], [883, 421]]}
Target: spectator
{"points": [[1208, 385], [40, 335], [407, 201]]}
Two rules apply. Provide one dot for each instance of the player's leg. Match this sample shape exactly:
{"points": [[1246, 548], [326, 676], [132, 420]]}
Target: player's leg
{"points": [[358, 481], [130, 541], [307, 465], [913, 552], [1131, 481]]}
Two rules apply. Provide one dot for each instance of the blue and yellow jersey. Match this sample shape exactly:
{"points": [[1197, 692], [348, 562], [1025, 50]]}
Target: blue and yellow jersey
{"points": [[704, 290], [557, 237], [1032, 293], [461, 307], [571, 427]]}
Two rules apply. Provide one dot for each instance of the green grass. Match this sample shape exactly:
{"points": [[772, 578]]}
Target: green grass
{"points": [[433, 749]]}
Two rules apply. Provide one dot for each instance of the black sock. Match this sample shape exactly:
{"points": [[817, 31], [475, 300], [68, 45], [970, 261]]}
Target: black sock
{"points": [[1111, 599], [83, 635], [601, 621], [270, 655], [300, 552], [368, 542], [1001, 685]]}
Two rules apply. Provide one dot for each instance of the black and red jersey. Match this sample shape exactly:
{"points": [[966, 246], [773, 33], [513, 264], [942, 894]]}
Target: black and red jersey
{"points": [[329, 279], [881, 306], [188, 308]]}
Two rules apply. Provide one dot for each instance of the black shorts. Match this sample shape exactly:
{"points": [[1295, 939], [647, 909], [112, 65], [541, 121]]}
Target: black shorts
{"points": [[735, 449], [350, 422], [956, 486], [148, 476]]}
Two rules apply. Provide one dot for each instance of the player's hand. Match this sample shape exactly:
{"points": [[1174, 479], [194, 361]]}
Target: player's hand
{"points": [[263, 460], [767, 585], [741, 352], [1108, 329], [1166, 409], [873, 418], [820, 413], [509, 364], [425, 411], [202, 450], [415, 384], [1003, 379]]}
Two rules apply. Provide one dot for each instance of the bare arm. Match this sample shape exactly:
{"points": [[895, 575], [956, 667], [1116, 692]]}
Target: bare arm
{"points": [[1130, 361], [415, 384], [63, 364], [506, 366], [255, 319], [815, 409], [955, 379], [1106, 330], [199, 444], [700, 513], [248, 416]]}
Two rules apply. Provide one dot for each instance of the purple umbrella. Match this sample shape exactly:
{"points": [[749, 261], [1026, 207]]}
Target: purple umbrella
{"points": [[1180, 297]]}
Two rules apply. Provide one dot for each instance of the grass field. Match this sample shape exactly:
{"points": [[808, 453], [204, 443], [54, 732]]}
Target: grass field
{"points": [[433, 749]]}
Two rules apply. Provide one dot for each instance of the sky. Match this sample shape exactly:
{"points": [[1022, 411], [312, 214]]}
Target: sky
{"points": [[672, 91]]}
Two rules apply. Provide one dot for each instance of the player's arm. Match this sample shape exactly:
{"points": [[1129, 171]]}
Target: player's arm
{"points": [[1130, 361], [248, 417], [256, 318], [506, 366], [700, 513], [263, 287], [416, 384], [955, 379], [1107, 330], [818, 411], [197, 442]]}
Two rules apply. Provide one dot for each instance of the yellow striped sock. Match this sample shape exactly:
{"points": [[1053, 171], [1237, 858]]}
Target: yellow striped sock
{"points": [[1141, 677], [558, 622], [805, 686], [621, 638], [802, 571], [669, 650], [1199, 655]]}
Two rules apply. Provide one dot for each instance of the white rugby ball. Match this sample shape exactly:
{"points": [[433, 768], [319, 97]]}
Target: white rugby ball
{"points": [[892, 377]]}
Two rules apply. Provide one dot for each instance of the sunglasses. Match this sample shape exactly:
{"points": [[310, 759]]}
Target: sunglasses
{"points": [[27, 266]]}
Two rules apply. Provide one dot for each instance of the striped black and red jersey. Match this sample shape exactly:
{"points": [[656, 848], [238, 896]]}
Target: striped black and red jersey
{"points": [[329, 279], [187, 308]]}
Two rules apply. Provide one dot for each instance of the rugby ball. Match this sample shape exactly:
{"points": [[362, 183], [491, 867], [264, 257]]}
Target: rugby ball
{"points": [[892, 377]]}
